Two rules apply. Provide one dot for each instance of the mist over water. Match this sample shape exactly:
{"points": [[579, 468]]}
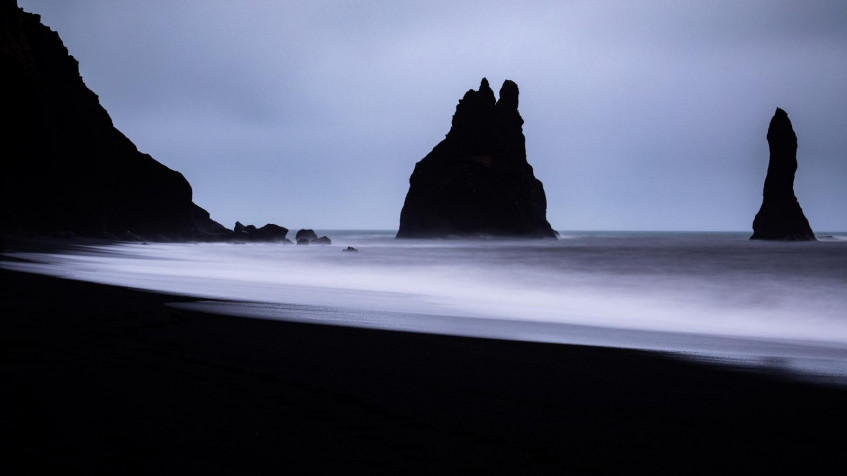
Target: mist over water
{"points": [[717, 295]]}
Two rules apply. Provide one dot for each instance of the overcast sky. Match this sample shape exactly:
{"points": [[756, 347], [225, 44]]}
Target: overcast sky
{"points": [[638, 115]]}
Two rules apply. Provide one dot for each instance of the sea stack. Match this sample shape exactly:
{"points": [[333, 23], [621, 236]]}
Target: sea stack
{"points": [[477, 181], [65, 167], [780, 217]]}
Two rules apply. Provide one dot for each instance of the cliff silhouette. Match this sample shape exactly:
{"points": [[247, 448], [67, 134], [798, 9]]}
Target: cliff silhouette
{"points": [[780, 216], [65, 167], [477, 181]]}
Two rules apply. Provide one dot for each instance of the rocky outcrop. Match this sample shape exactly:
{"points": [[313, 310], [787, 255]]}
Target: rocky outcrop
{"points": [[477, 181], [203, 227], [307, 236], [272, 232], [64, 164], [780, 217], [267, 233]]}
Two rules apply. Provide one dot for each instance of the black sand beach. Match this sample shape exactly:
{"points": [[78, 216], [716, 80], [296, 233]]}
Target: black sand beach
{"points": [[105, 380]]}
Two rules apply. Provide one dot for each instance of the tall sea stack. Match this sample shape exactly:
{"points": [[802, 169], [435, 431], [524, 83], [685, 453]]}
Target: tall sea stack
{"points": [[477, 181], [65, 167], [780, 217]]}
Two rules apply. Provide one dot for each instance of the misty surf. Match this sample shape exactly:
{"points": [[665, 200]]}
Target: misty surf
{"points": [[715, 296]]}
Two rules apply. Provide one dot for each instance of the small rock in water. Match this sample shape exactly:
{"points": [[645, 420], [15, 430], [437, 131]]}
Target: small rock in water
{"points": [[305, 234], [350, 248], [270, 232]]}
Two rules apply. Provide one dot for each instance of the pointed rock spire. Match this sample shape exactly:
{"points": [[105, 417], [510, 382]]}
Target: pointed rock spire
{"points": [[780, 216], [485, 92], [508, 96]]}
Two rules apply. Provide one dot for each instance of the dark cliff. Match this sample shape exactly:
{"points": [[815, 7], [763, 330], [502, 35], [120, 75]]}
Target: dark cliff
{"points": [[780, 217], [477, 181], [64, 164]]}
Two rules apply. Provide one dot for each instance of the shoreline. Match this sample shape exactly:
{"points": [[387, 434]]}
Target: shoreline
{"points": [[792, 356], [103, 379]]}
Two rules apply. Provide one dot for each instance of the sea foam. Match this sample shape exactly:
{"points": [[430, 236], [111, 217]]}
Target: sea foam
{"points": [[713, 295]]}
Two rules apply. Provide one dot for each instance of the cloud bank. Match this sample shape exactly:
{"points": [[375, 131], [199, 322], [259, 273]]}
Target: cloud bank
{"points": [[639, 115]]}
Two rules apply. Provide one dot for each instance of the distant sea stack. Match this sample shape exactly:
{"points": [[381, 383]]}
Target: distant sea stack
{"points": [[477, 181], [780, 217], [65, 167]]}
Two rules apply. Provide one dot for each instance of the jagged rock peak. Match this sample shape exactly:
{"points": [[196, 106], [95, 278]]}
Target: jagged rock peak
{"points": [[508, 96], [477, 181], [780, 216], [485, 92]]}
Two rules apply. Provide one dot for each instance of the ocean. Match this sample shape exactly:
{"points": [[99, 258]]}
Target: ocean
{"points": [[719, 297]]}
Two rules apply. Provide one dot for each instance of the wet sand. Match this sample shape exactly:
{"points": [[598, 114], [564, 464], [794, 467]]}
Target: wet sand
{"points": [[105, 380]]}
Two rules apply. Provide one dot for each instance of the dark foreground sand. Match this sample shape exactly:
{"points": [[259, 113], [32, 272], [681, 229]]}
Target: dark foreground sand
{"points": [[103, 380]]}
